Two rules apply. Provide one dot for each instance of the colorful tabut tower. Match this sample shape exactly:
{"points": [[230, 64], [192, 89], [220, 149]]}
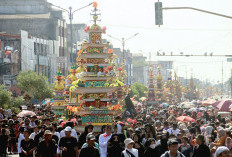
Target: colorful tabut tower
{"points": [[159, 87], [151, 86], [59, 98], [91, 93], [168, 90]]}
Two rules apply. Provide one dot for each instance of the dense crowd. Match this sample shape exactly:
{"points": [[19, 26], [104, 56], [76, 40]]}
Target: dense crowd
{"points": [[147, 132]]}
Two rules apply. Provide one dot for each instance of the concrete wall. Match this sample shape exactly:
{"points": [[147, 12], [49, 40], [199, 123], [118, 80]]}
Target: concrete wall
{"points": [[24, 6], [43, 28]]}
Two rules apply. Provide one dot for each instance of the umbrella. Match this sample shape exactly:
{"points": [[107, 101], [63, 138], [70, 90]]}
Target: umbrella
{"points": [[193, 110], [187, 105], [164, 105], [208, 102], [224, 105], [185, 119], [25, 113]]}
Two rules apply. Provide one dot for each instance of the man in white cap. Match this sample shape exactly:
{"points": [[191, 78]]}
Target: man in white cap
{"points": [[129, 150], [223, 151], [68, 144]]}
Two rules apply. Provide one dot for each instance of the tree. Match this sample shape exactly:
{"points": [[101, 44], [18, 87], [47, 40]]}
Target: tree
{"points": [[36, 85], [138, 89], [5, 97]]}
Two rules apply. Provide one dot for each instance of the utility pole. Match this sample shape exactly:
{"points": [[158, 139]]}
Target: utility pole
{"points": [[71, 34], [222, 78]]}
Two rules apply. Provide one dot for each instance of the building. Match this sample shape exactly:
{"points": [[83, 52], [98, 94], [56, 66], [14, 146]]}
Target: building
{"points": [[128, 63], [25, 52], [140, 68], [78, 35], [164, 66], [42, 32]]}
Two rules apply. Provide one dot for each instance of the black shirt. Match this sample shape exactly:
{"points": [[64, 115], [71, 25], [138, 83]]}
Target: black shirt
{"points": [[202, 151], [70, 143], [47, 151], [89, 152], [27, 146]]}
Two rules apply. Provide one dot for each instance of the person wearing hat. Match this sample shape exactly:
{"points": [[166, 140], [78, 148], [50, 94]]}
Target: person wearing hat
{"points": [[173, 149], [129, 150], [90, 150], [223, 151], [48, 146], [68, 144], [201, 150], [73, 131]]}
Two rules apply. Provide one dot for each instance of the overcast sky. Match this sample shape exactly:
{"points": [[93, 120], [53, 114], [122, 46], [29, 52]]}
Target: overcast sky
{"points": [[185, 31]]}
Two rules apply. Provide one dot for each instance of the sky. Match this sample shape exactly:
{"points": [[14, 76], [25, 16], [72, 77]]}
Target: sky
{"points": [[186, 31]]}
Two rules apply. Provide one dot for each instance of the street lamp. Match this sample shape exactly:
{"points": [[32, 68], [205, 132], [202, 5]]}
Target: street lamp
{"points": [[123, 40], [70, 13], [123, 49]]}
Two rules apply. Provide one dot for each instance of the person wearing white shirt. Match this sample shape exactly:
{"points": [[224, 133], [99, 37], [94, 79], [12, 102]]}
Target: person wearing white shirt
{"points": [[20, 138], [36, 131], [173, 130], [73, 131], [129, 150], [103, 140]]}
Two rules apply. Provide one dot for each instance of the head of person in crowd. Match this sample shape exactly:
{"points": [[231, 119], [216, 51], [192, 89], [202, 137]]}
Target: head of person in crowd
{"points": [[108, 130], [46, 121], [70, 123], [36, 129], [228, 133], [173, 146], [68, 130], [150, 143], [14, 117], [33, 118], [114, 139], [200, 139], [129, 143], [136, 137], [228, 142], [27, 121], [221, 133], [103, 129], [26, 133], [43, 128], [223, 151], [54, 127], [37, 122], [90, 140], [184, 140], [47, 135]]}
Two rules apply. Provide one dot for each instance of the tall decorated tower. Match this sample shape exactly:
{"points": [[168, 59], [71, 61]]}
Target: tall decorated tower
{"points": [[91, 94], [159, 87], [151, 86], [168, 89]]}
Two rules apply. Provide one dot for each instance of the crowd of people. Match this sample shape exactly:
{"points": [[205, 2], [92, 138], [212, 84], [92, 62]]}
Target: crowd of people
{"points": [[151, 132]]}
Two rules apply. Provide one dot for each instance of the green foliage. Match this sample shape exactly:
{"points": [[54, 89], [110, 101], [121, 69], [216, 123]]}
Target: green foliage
{"points": [[36, 85], [18, 101], [138, 89], [5, 97]]}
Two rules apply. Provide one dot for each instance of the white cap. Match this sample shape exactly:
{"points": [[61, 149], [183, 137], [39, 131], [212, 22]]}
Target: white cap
{"points": [[128, 141], [68, 128], [221, 149], [47, 132]]}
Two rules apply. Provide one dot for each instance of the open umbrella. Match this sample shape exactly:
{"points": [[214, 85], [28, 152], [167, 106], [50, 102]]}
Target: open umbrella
{"points": [[224, 105], [26, 113], [164, 105], [208, 102], [185, 119], [187, 105]]}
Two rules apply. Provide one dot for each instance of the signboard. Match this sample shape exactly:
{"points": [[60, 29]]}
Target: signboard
{"points": [[97, 119], [229, 59], [95, 84]]}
